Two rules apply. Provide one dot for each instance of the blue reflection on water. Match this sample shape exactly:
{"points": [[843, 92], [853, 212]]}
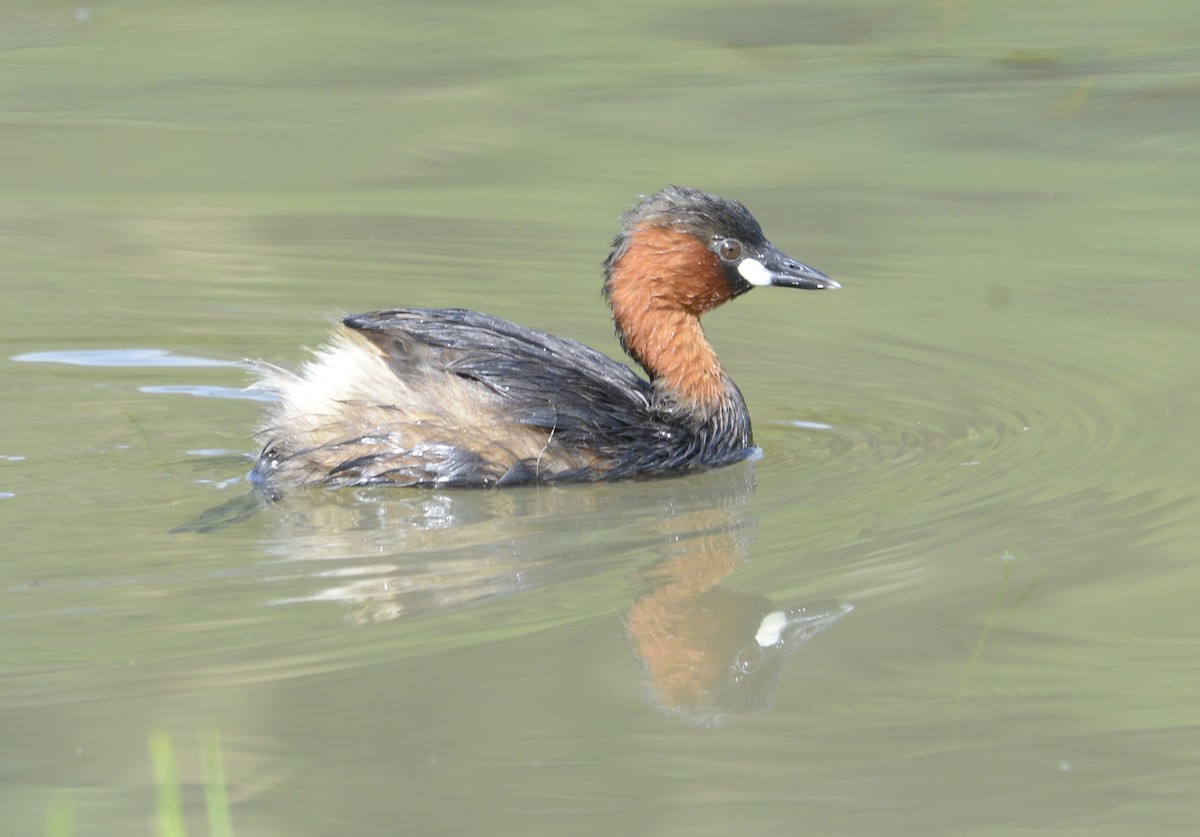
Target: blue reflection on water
{"points": [[121, 357]]}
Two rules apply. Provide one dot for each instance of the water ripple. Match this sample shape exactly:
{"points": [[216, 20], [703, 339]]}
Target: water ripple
{"points": [[959, 431], [120, 358]]}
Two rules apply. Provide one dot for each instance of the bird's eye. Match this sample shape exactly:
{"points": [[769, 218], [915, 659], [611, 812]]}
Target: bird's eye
{"points": [[729, 249], [747, 660]]}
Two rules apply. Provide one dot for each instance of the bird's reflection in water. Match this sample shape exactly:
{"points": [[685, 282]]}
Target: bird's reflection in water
{"points": [[708, 651]]}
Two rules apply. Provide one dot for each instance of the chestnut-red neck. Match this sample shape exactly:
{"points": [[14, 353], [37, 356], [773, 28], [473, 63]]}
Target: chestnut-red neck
{"points": [[658, 286]]}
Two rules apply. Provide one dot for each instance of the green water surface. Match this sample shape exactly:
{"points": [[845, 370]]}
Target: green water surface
{"points": [[984, 444]]}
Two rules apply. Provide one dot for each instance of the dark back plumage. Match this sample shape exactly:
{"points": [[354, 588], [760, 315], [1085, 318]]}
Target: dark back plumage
{"points": [[581, 398]]}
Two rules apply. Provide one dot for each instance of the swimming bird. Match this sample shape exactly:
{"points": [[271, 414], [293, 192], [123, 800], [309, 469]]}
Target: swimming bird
{"points": [[450, 397]]}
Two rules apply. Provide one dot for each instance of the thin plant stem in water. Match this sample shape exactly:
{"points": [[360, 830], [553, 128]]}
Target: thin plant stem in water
{"points": [[1006, 561]]}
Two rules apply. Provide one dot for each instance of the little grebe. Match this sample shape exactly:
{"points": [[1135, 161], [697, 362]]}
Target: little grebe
{"points": [[447, 397]]}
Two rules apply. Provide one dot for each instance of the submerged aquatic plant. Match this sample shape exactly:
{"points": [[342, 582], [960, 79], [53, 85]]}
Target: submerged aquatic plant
{"points": [[60, 818]]}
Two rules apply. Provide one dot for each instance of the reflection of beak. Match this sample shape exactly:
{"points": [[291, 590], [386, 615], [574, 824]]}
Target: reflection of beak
{"points": [[797, 625]]}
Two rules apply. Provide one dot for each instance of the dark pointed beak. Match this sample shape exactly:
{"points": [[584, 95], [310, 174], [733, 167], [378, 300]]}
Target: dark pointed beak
{"points": [[771, 266], [786, 272]]}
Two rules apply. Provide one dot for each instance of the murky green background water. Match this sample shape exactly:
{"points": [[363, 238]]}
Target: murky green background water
{"points": [[985, 444]]}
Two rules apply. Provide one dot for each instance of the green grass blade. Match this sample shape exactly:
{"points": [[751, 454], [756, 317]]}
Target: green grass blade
{"points": [[60, 819], [216, 797], [166, 776]]}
